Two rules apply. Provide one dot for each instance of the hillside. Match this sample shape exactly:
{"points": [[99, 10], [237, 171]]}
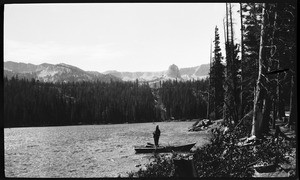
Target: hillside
{"points": [[54, 73], [190, 73]]}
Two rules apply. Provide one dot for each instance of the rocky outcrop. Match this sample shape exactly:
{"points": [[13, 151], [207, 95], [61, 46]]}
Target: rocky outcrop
{"points": [[173, 72]]}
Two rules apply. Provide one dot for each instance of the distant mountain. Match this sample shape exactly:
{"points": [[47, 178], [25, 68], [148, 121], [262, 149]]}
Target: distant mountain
{"points": [[54, 73], [132, 76], [67, 73], [20, 67], [198, 72], [173, 72]]}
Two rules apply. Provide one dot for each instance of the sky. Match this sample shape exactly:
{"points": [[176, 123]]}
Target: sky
{"points": [[112, 36]]}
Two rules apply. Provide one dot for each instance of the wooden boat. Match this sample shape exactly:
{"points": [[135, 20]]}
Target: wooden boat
{"points": [[151, 148]]}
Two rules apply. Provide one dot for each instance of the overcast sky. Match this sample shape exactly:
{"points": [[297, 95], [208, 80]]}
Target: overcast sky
{"points": [[112, 36]]}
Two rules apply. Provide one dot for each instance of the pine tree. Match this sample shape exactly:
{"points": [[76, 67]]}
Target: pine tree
{"points": [[217, 78]]}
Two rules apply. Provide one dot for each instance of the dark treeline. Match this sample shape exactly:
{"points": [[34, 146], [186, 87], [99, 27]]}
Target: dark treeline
{"points": [[184, 100], [34, 103]]}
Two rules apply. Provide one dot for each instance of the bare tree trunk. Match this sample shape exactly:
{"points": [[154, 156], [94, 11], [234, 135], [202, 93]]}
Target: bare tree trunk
{"points": [[274, 114], [231, 27], [227, 33], [293, 95], [241, 108], [280, 102], [225, 108], [292, 102], [258, 99], [226, 74], [234, 73], [278, 67], [224, 31]]}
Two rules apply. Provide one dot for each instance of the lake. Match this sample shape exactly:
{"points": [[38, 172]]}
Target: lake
{"points": [[87, 150]]}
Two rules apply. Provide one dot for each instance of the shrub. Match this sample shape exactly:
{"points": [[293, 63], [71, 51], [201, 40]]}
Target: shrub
{"points": [[222, 158], [162, 166]]}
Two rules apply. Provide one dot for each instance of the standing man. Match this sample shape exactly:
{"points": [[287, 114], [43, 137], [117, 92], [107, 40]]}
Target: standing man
{"points": [[156, 135]]}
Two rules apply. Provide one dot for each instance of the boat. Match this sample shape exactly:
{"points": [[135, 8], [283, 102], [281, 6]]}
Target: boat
{"points": [[150, 148]]}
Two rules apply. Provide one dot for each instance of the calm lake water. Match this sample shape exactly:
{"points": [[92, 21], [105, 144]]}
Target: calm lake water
{"points": [[87, 151]]}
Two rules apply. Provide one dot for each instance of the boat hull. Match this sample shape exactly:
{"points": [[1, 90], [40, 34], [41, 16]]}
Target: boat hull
{"points": [[161, 149]]}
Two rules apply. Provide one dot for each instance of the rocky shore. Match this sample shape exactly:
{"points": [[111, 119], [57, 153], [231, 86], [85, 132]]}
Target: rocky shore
{"points": [[272, 157]]}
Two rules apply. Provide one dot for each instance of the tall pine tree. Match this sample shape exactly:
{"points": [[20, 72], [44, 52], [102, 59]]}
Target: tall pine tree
{"points": [[217, 78]]}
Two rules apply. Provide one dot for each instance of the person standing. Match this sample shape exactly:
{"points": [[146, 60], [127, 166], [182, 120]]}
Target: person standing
{"points": [[156, 135]]}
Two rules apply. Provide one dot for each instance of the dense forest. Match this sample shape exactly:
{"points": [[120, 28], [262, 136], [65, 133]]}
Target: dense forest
{"points": [[260, 69], [34, 103], [184, 100]]}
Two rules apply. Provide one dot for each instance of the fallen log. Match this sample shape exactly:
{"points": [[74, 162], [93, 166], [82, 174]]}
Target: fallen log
{"points": [[200, 125]]}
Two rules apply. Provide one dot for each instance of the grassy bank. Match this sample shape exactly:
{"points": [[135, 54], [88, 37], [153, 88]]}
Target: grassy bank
{"points": [[223, 158]]}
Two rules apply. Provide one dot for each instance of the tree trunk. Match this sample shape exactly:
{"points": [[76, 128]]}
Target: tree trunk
{"points": [[241, 109], [280, 102], [258, 99], [277, 93], [234, 75], [293, 94], [292, 102], [266, 113], [225, 108], [224, 31], [207, 112], [281, 107], [225, 86], [275, 110], [227, 33]]}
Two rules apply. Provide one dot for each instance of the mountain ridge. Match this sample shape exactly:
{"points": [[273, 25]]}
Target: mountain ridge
{"points": [[68, 73], [188, 73], [46, 72]]}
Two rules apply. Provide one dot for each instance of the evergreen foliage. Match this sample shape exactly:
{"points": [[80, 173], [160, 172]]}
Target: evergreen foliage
{"points": [[184, 100], [217, 78], [33, 103], [232, 81]]}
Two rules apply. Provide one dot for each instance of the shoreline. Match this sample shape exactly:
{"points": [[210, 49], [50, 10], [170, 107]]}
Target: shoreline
{"points": [[207, 133], [283, 168]]}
